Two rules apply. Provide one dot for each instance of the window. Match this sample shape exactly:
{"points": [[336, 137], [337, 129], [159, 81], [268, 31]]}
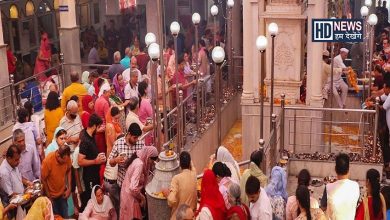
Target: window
{"points": [[13, 12], [30, 8]]}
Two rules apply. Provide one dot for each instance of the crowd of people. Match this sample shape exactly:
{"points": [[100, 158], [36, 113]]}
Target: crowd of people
{"points": [[80, 181], [87, 153], [93, 163]]}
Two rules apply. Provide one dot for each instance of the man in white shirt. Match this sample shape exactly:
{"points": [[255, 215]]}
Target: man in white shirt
{"points": [[338, 61], [260, 205], [338, 82], [132, 116], [133, 68], [341, 196]]}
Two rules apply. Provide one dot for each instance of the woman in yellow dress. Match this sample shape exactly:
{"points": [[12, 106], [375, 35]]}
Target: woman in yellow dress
{"points": [[52, 115]]}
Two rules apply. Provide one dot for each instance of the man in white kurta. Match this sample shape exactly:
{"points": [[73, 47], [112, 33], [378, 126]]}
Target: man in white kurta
{"points": [[338, 82], [342, 196], [260, 205], [338, 61]]}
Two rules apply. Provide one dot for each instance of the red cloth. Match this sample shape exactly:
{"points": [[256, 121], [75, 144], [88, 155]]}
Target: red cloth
{"points": [[142, 62], [242, 212], [86, 110], [85, 101], [11, 60], [211, 197], [100, 139], [360, 211], [85, 119]]}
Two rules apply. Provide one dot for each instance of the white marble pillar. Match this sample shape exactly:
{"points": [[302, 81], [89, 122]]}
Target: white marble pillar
{"points": [[251, 55], [4, 77], [152, 21], [69, 38], [314, 57]]}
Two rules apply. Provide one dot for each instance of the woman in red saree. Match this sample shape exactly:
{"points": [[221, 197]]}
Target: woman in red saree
{"points": [[43, 61], [212, 205]]}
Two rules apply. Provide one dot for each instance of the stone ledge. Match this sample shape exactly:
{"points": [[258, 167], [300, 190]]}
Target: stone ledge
{"points": [[357, 171]]}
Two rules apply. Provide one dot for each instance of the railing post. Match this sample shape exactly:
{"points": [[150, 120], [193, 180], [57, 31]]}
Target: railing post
{"points": [[273, 139], [199, 103], [62, 71], [180, 122], [202, 97], [282, 115], [375, 126], [13, 96], [261, 148]]}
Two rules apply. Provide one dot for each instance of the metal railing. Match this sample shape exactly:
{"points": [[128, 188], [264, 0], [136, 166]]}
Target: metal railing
{"points": [[33, 88], [271, 147], [237, 78], [322, 129], [7, 113], [187, 112]]}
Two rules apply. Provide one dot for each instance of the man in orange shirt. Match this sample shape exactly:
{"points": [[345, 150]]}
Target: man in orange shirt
{"points": [[56, 179]]}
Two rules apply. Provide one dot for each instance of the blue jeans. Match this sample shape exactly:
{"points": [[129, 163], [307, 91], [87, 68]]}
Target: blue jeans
{"points": [[60, 207]]}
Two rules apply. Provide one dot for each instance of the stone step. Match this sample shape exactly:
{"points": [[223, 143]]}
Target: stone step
{"points": [[357, 170]]}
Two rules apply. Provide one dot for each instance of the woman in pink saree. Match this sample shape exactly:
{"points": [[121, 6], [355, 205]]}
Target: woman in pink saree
{"points": [[135, 180], [43, 61]]}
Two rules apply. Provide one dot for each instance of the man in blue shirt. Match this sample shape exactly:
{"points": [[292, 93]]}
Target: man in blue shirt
{"points": [[125, 62]]}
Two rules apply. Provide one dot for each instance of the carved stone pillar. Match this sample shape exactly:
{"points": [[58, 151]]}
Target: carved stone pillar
{"points": [[314, 57], [288, 48]]}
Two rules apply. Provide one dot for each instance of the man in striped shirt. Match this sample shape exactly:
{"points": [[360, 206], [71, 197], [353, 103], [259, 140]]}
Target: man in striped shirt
{"points": [[71, 122]]}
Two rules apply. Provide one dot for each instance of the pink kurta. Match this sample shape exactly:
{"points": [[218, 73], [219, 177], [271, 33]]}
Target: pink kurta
{"points": [[131, 191], [146, 111], [102, 106]]}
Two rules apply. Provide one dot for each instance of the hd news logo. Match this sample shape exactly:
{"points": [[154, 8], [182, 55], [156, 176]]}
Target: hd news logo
{"points": [[337, 30]]}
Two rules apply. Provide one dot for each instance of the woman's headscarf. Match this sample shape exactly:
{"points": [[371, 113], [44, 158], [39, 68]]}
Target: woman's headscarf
{"points": [[85, 101], [211, 197], [41, 210], [85, 77], [144, 154], [241, 211], [119, 89], [117, 126], [105, 207], [224, 156], [53, 146], [278, 183], [103, 88]]}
